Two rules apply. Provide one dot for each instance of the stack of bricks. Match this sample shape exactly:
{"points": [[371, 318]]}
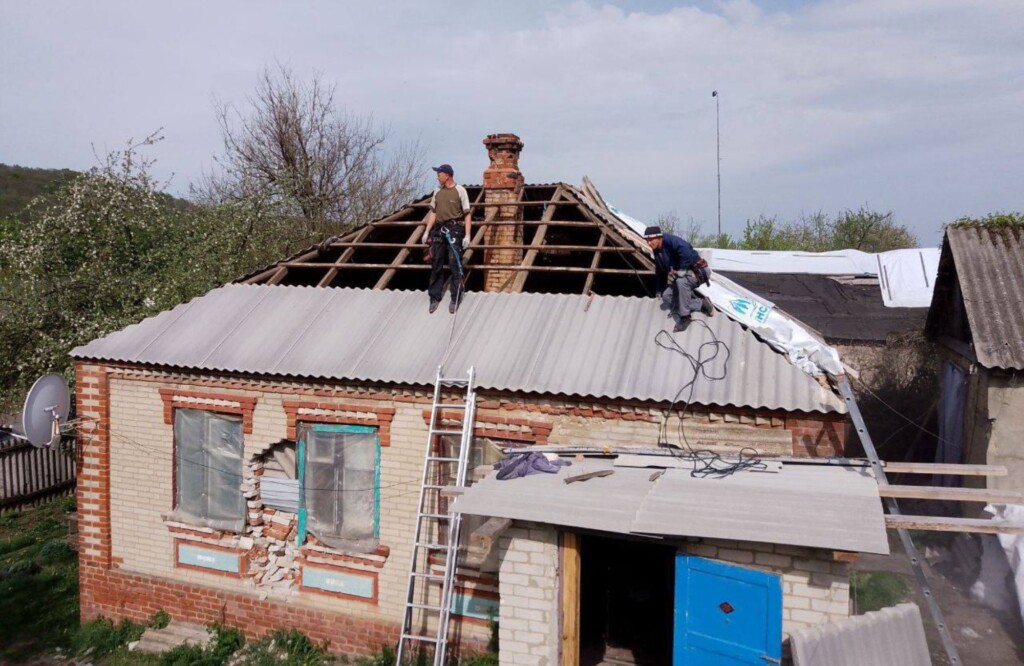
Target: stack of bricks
{"points": [[503, 183]]}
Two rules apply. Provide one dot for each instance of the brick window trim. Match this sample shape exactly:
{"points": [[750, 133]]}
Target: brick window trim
{"points": [[241, 405], [243, 559], [377, 559], [379, 417], [372, 575], [502, 427]]}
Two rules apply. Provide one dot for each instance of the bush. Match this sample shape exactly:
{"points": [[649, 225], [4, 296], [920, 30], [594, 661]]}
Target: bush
{"points": [[287, 648], [101, 637], [226, 641], [160, 619], [872, 591], [54, 551]]}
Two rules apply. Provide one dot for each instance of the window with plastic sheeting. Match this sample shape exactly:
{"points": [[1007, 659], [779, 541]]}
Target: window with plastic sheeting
{"points": [[339, 473], [208, 460]]}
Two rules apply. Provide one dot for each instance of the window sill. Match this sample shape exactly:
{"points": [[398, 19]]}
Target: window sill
{"points": [[318, 553]]}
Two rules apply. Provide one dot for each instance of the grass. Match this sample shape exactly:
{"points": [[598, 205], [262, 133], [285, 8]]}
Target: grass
{"points": [[872, 591], [38, 582]]}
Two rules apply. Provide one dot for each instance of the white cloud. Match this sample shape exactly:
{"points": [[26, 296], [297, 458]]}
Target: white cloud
{"points": [[904, 105]]}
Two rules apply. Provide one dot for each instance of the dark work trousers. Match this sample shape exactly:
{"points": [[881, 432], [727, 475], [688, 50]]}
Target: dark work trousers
{"points": [[441, 255], [680, 298]]}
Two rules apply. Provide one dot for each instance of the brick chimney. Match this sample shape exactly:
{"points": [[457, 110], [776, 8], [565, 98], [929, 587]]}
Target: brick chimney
{"points": [[503, 183]]}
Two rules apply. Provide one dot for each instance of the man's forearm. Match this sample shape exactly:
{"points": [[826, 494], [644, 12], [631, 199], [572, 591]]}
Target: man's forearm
{"points": [[469, 225], [431, 217]]}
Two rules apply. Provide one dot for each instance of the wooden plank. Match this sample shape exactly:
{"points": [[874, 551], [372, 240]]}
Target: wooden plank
{"points": [[345, 256], [589, 284], [570, 570], [481, 246], [536, 243], [586, 476], [399, 260], [956, 494], [941, 524], [554, 223], [474, 244], [613, 232], [544, 269], [278, 275], [483, 540], [943, 468]]}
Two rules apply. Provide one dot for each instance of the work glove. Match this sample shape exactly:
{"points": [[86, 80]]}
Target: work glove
{"points": [[702, 272], [465, 242], [426, 236]]}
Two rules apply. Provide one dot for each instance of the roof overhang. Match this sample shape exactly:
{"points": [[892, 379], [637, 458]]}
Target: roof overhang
{"points": [[814, 506]]}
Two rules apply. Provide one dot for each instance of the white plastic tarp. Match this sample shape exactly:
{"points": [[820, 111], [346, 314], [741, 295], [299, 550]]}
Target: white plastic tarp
{"points": [[209, 469], [1013, 545], [841, 262], [907, 277], [779, 330]]}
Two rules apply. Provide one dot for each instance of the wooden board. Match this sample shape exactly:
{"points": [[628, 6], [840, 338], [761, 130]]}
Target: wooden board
{"points": [[570, 552], [941, 524], [956, 494], [942, 468]]}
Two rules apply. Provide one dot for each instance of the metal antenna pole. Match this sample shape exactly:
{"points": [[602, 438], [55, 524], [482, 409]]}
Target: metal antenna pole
{"points": [[718, 155]]}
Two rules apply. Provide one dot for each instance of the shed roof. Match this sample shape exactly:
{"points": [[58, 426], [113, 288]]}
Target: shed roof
{"points": [[815, 506], [986, 266], [843, 309], [530, 343]]}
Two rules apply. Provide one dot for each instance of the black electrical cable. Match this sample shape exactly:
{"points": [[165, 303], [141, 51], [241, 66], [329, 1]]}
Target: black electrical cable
{"points": [[706, 463]]}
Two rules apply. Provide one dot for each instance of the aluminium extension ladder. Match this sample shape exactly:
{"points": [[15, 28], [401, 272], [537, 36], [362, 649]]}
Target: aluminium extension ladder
{"points": [[432, 521]]}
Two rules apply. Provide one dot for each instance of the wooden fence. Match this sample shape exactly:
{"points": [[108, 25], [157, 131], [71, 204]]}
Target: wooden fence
{"points": [[31, 476]]}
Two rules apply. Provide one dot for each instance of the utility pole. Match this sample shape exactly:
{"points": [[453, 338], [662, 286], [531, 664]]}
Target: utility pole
{"points": [[718, 155]]}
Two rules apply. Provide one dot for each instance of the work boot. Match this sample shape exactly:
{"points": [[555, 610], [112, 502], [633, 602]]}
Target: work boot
{"points": [[433, 306], [706, 307], [453, 306], [681, 324]]}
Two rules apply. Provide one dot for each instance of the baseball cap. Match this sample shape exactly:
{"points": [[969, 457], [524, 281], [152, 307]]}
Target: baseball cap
{"points": [[444, 168]]}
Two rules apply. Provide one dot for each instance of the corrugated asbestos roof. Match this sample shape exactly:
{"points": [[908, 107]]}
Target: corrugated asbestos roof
{"points": [[990, 266], [531, 343], [893, 635], [801, 505]]}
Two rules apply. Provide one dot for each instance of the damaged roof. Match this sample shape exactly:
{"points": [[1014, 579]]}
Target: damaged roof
{"points": [[571, 345], [981, 270], [816, 506]]}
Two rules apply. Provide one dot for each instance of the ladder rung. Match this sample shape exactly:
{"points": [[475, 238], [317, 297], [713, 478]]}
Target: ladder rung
{"points": [[442, 459], [432, 486], [436, 516], [426, 575], [432, 546], [445, 432], [417, 637], [424, 607], [440, 406], [453, 380]]}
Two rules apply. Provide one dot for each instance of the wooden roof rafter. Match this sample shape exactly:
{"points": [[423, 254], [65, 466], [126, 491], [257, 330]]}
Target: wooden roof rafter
{"points": [[572, 243]]}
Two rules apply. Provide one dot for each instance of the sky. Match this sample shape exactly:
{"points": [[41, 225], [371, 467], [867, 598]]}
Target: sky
{"points": [[902, 105]]}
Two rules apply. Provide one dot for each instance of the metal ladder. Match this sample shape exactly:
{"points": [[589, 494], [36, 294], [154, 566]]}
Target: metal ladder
{"points": [[916, 561], [431, 521]]}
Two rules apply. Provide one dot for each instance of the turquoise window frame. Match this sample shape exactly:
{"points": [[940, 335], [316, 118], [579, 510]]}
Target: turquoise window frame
{"points": [[300, 537]]}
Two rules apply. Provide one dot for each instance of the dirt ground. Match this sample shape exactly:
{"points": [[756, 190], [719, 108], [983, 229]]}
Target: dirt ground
{"points": [[982, 635]]}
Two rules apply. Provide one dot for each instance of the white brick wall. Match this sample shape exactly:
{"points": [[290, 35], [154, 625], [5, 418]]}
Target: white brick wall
{"points": [[528, 578]]}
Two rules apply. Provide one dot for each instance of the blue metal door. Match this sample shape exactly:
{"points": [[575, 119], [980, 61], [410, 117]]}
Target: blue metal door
{"points": [[726, 614]]}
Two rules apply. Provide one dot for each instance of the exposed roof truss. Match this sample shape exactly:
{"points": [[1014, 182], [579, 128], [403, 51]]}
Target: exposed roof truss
{"points": [[571, 244]]}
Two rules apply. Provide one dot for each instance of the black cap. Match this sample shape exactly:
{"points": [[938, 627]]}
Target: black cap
{"points": [[444, 168], [652, 232]]}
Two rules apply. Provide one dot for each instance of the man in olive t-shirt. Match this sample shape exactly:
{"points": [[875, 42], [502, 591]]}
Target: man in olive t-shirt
{"points": [[449, 225]]}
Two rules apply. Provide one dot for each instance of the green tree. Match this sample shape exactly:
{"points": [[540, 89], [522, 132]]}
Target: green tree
{"points": [[108, 250]]}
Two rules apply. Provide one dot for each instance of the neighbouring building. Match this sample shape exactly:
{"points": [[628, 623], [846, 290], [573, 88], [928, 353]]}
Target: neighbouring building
{"points": [[977, 318], [253, 457]]}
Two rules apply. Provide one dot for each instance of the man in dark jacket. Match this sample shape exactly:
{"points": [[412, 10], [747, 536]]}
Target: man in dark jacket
{"points": [[678, 271]]}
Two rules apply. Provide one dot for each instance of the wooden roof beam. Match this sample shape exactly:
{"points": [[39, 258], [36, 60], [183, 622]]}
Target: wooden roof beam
{"points": [[538, 240]]}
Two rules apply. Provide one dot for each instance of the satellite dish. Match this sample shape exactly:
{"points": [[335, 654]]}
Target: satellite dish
{"points": [[46, 410]]}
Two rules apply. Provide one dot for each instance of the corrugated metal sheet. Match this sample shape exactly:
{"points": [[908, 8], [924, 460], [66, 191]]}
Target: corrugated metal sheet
{"points": [[532, 343], [990, 267], [802, 505], [892, 636]]}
